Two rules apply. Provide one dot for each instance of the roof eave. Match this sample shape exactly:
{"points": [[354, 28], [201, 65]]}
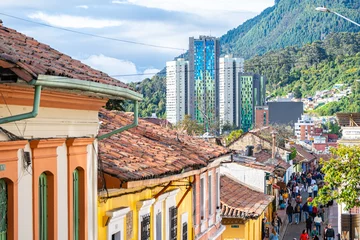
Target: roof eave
{"points": [[88, 86]]}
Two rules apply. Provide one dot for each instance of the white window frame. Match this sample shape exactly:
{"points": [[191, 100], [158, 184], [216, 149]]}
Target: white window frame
{"points": [[218, 210], [202, 204], [143, 208], [158, 208], [116, 222], [184, 219], [169, 202], [211, 200]]}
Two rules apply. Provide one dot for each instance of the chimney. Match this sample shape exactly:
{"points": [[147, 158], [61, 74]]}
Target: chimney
{"points": [[273, 134], [249, 151]]}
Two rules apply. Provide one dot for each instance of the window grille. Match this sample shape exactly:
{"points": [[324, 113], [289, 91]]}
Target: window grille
{"points": [[3, 209], [173, 222], [145, 227], [184, 231], [43, 214]]}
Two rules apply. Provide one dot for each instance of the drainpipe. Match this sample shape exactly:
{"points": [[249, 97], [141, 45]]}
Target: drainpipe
{"points": [[31, 114], [124, 128]]}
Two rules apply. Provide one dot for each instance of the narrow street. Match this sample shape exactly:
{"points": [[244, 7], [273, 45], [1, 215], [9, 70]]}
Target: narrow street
{"points": [[294, 230]]}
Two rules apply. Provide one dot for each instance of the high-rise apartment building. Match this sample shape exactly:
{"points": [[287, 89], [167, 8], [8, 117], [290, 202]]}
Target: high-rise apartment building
{"points": [[229, 69], [177, 80], [304, 128], [204, 54], [250, 92]]}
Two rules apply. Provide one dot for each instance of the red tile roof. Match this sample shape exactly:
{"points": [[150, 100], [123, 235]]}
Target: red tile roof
{"points": [[158, 121], [150, 151], [240, 201], [264, 156], [25, 54], [300, 150]]}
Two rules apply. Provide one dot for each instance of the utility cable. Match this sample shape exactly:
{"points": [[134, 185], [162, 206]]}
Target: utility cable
{"points": [[94, 35]]}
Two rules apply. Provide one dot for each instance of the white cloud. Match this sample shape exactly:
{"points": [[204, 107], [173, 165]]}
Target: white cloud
{"points": [[203, 6], [82, 6], [123, 1], [123, 70], [150, 72], [68, 21]]}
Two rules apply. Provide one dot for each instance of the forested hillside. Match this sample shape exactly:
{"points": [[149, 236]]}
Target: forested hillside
{"points": [[313, 67], [290, 23], [154, 92], [283, 43]]}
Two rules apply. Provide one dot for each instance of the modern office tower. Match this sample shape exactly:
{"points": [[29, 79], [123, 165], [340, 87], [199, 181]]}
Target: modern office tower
{"points": [[204, 56], [250, 92], [229, 70], [177, 77]]}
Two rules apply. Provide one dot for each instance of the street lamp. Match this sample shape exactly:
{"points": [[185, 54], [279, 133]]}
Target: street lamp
{"points": [[324, 9]]}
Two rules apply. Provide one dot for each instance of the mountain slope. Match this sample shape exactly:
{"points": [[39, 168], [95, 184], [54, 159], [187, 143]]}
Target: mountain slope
{"points": [[290, 23]]}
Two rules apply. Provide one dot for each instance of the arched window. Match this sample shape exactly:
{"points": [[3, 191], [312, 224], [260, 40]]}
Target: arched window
{"points": [[43, 202], [3, 209], [76, 214]]}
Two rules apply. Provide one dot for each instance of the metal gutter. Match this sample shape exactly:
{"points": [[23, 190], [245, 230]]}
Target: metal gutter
{"points": [[124, 128], [31, 114], [76, 84]]}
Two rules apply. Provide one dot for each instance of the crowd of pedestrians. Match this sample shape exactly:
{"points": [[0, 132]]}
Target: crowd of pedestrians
{"points": [[297, 211]]}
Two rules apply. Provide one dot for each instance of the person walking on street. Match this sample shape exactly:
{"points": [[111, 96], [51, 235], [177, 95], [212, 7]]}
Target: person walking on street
{"points": [[314, 232], [330, 233], [309, 190], [305, 210], [317, 221], [297, 211], [304, 235], [315, 189], [274, 235], [309, 224], [276, 223], [289, 212]]}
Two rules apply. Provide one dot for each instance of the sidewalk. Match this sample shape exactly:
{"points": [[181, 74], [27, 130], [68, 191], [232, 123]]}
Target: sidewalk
{"points": [[332, 217]]}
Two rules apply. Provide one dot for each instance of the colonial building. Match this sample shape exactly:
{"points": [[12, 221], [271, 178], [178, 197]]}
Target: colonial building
{"points": [[157, 184], [49, 106], [242, 209]]}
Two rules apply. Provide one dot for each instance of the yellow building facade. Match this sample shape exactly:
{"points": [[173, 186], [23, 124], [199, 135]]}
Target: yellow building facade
{"points": [[156, 200], [243, 209]]}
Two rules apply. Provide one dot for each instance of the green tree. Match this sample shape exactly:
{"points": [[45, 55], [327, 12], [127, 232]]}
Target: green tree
{"points": [[342, 177], [297, 92], [233, 136], [190, 126], [293, 153]]}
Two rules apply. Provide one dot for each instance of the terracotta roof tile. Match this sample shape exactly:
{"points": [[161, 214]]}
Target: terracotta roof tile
{"points": [[37, 58], [300, 150], [149, 150], [240, 201]]}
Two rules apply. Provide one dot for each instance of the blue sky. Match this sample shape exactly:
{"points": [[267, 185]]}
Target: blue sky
{"points": [[159, 22]]}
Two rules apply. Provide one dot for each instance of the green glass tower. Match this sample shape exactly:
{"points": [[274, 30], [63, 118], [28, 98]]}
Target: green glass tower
{"points": [[251, 90], [204, 56]]}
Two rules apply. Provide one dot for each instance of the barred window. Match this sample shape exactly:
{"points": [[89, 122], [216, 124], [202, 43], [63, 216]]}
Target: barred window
{"points": [[145, 227], [184, 231], [173, 222]]}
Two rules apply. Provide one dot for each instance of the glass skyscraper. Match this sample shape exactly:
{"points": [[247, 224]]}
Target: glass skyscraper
{"points": [[251, 91], [204, 54]]}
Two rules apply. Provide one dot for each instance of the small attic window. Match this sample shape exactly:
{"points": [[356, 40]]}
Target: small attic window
{"points": [[7, 76]]}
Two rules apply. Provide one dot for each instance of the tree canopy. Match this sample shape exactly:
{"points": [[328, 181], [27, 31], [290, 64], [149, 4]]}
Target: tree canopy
{"points": [[342, 177]]}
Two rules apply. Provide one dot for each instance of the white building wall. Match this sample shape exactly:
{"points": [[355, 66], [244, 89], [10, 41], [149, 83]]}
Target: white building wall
{"points": [[250, 176], [229, 69], [176, 91], [62, 194], [25, 201]]}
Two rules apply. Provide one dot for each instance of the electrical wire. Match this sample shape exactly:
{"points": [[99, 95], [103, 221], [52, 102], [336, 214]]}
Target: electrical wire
{"points": [[93, 35]]}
